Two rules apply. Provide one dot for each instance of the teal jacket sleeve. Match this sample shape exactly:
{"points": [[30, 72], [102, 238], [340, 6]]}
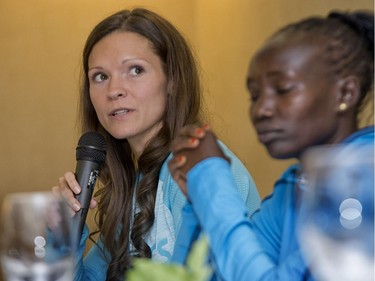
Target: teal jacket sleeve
{"points": [[237, 251], [190, 228], [243, 180], [94, 266]]}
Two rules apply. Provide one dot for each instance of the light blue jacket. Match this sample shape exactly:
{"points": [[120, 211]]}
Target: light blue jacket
{"points": [[263, 247], [168, 216]]}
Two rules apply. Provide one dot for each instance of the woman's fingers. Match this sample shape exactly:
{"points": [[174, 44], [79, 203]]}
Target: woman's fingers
{"points": [[58, 190], [67, 187], [71, 180], [185, 154], [194, 130], [174, 166], [180, 179], [189, 137]]}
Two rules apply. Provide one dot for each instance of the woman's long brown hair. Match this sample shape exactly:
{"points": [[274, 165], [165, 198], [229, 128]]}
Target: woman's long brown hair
{"points": [[119, 176]]}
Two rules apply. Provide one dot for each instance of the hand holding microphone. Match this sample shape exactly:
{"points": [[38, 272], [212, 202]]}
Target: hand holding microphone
{"points": [[77, 188]]}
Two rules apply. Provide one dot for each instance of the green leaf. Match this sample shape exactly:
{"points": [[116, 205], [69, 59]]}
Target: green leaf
{"points": [[196, 269], [197, 260], [146, 269]]}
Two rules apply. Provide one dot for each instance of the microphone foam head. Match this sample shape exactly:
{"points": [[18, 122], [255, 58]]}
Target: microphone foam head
{"points": [[92, 147]]}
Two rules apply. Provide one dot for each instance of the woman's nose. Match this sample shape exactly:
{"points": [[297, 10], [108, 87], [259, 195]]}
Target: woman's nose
{"points": [[116, 95], [116, 89], [263, 107]]}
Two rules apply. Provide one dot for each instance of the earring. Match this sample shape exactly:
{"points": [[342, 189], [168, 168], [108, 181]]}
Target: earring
{"points": [[343, 106]]}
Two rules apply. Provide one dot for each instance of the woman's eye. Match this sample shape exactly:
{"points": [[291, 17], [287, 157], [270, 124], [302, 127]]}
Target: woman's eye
{"points": [[99, 77], [135, 70], [284, 89], [253, 90], [253, 94]]}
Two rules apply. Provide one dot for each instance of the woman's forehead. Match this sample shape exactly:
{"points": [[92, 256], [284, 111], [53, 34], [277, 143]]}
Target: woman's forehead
{"points": [[288, 52]]}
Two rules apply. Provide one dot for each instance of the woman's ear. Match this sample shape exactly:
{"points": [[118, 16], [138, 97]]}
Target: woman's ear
{"points": [[348, 94]]}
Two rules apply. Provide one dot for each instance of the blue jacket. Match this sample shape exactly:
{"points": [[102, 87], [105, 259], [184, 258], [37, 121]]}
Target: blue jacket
{"points": [[264, 247], [168, 216]]}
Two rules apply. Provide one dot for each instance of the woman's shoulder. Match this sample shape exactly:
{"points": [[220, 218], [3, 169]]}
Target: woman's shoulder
{"points": [[244, 181], [166, 181], [362, 136], [237, 166], [228, 152], [225, 148]]}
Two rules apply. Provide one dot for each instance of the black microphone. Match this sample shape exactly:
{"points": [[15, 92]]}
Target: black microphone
{"points": [[90, 155]]}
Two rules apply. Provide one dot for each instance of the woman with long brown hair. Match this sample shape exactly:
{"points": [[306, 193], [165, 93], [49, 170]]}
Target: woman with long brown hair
{"points": [[140, 86]]}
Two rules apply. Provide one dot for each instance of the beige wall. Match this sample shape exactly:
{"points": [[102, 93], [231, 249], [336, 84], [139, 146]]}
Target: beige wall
{"points": [[228, 33], [40, 46]]}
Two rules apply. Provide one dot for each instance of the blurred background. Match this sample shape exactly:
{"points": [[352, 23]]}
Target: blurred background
{"points": [[40, 51]]}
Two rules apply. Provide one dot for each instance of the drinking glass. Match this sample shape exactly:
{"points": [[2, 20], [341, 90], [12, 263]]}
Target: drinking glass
{"points": [[336, 218], [36, 241]]}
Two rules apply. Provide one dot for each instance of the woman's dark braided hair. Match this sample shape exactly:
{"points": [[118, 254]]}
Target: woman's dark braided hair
{"points": [[350, 44]]}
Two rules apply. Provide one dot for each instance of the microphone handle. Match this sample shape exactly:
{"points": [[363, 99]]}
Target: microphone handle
{"points": [[86, 175]]}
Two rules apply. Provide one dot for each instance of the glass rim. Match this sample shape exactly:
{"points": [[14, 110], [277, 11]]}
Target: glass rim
{"points": [[341, 155]]}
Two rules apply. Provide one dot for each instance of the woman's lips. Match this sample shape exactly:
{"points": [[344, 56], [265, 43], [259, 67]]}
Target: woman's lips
{"points": [[120, 112], [267, 136]]}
